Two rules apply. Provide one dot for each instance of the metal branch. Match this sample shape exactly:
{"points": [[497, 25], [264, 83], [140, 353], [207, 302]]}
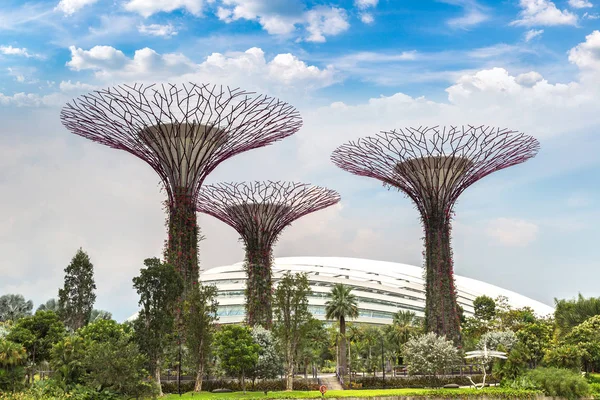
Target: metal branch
{"points": [[259, 211], [182, 131]]}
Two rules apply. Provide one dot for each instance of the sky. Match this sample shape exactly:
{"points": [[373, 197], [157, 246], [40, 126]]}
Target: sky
{"points": [[352, 68]]}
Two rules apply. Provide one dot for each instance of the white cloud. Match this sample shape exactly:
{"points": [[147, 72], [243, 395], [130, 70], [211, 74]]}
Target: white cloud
{"points": [[543, 13], [591, 16], [586, 55], [580, 4], [283, 70], [367, 18], [67, 86], [529, 79], [16, 51], [277, 17], [471, 18], [363, 6], [157, 30], [533, 33], [325, 21], [280, 17], [70, 7], [512, 232], [147, 8]]}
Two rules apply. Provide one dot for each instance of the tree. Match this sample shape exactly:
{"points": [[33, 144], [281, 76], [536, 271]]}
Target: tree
{"points": [[586, 336], [14, 306], [200, 314], [12, 358], [498, 340], [76, 298], [536, 339], [96, 315], [403, 328], [159, 287], [237, 351], [118, 366], [292, 315], [342, 305], [485, 308], [268, 365], [570, 313], [49, 305], [66, 360], [38, 333], [429, 355]]}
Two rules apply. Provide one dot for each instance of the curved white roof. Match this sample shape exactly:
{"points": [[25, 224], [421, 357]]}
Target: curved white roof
{"points": [[381, 287]]}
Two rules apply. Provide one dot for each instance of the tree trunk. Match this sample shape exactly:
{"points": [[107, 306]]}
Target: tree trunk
{"points": [[199, 376], [157, 376], [342, 346], [182, 244], [441, 309], [289, 377], [259, 285]]}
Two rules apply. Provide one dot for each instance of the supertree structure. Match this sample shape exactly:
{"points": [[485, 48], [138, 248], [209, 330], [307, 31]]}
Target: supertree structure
{"points": [[433, 166], [183, 132], [259, 211]]}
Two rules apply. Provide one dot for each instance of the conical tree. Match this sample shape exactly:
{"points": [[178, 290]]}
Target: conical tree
{"points": [[342, 305], [76, 298]]}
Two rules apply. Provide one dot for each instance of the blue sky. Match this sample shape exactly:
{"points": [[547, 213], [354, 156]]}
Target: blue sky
{"points": [[352, 68]]}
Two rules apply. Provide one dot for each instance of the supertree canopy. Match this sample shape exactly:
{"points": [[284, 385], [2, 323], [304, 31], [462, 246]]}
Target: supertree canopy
{"points": [[433, 166], [259, 211], [183, 132]]}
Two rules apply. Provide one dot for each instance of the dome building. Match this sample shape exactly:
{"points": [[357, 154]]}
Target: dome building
{"points": [[382, 288]]}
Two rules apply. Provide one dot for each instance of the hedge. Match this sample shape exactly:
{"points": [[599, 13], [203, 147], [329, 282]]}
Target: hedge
{"points": [[234, 385], [412, 382]]}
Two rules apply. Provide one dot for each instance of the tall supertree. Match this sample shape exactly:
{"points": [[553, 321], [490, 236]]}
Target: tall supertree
{"points": [[259, 211], [433, 166], [183, 132]]}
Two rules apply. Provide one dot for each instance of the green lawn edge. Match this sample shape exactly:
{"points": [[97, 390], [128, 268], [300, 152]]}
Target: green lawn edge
{"points": [[490, 393]]}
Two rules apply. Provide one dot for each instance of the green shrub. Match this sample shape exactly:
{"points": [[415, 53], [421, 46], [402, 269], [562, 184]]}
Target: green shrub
{"points": [[414, 381], [560, 382], [271, 385]]}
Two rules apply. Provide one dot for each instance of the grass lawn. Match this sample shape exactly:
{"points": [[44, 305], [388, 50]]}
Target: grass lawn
{"points": [[338, 394]]}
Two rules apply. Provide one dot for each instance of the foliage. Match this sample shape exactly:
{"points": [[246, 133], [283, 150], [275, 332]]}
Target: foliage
{"points": [[14, 307], [586, 336], [76, 298], [269, 362], [560, 382], [269, 385], [104, 330], [570, 313], [200, 314], [429, 355], [237, 351], [12, 358], [49, 305], [498, 340], [159, 287], [515, 365], [118, 366], [370, 382], [342, 304], [292, 316], [38, 333], [97, 315], [564, 356], [259, 283], [485, 308], [536, 338], [67, 361]]}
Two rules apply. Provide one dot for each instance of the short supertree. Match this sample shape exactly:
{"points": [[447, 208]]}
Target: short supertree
{"points": [[433, 166], [183, 132], [259, 211]]}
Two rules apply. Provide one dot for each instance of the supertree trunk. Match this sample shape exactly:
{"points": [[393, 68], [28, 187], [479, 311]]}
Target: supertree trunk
{"points": [[259, 286], [182, 244], [441, 309]]}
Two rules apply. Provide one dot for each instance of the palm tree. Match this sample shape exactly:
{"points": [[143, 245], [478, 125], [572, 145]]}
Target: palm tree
{"points": [[11, 356], [405, 325], [342, 305], [50, 305]]}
